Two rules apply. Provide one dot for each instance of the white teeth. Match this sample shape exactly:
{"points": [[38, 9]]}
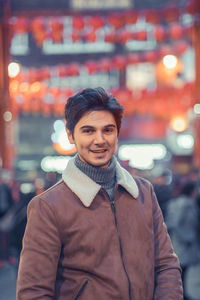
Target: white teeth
{"points": [[98, 151]]}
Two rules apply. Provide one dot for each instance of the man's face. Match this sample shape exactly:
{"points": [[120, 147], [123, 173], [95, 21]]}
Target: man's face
{"points": [[95, 136]]}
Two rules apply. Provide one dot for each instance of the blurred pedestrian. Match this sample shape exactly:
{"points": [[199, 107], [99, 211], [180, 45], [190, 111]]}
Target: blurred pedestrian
{"points": [[182, 221], [163, 190], [6, 202], [192, 274], [99, 232]]}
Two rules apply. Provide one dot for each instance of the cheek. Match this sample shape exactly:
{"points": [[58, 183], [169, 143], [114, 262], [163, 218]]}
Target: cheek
{"points": [[114, 142]]}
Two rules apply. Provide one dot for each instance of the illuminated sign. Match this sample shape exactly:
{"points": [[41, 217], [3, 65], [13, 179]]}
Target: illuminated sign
{"points": [[142, 156], [54, 163], [103, 4]]}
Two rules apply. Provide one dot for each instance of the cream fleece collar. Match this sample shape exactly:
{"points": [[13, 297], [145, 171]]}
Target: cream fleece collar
{"points": [[86, 189]]}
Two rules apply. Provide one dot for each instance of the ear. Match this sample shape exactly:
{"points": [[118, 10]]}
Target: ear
{"points": [[70, 136]]}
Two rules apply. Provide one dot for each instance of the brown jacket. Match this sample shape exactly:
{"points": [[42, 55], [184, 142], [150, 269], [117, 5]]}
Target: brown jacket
{"points": [[77, 245]]}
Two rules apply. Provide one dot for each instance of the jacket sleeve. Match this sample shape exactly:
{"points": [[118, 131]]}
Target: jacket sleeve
{"points": [[168, 282], [40, 253]]}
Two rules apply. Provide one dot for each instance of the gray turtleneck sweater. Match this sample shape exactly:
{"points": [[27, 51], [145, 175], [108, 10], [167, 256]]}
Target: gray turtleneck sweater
{"points": [[106, 177]]}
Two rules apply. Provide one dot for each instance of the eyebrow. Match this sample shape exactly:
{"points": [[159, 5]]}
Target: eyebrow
{"points": [[92, 127]]}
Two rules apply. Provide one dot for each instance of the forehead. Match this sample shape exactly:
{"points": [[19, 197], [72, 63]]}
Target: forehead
{"points": [[96, 118]]}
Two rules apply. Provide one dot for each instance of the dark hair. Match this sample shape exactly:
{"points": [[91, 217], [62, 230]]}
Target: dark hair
{"points": [[91, 99], [188, 188]]}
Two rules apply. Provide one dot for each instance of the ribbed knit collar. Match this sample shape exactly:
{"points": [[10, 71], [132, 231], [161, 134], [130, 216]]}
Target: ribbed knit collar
{"points": [[102, 176]]}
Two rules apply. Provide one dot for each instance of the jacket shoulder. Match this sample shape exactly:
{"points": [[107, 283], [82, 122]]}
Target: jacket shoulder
{"points": [[54, 193], [142, 183]]}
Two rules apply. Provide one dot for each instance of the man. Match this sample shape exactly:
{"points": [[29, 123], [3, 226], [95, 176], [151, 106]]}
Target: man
{"points": [[99, 232], [182, 220]]}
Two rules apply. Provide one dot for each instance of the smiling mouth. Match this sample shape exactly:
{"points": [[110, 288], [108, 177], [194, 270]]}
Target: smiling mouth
{"points": [[99, 151]]}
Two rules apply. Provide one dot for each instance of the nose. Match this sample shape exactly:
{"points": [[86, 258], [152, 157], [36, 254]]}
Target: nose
{"points": [[99, 138]]}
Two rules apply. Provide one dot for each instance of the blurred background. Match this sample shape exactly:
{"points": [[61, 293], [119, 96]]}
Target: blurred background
{"points": [[145, 52]]}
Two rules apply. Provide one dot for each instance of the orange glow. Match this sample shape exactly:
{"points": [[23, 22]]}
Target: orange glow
{"points": [[35, 87], [60, 150], [166, 75], [24, 87], [179, 123], [13, 88]]}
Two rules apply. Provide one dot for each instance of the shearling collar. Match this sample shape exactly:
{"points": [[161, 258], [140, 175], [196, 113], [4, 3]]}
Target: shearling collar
{"points": [[86, 189]]}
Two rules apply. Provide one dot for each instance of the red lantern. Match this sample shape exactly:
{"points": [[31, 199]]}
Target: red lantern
{"points": [[150, 56], [32, 75], [105, 64], [119, 62], [125, 36], [68, 92], [14, 88], [181, 47], [56, 24], [57, 30], [175, 31], [37, 90], [91, 66], [44, 73], [116, 21], [20, 25], [131, 17], [140, 35], [170, 13], [96, 22], [24, 89], [73, 69], [39, 30], [152, 16], [91, 36], [78, 23], [40, 37], [110, 37], [62, 71], [133, 58], [159, 33], [124, 96], [38, 24], [54, 91]]}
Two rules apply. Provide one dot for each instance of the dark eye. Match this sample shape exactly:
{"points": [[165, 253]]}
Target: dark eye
{"points": [[88, 130], [109, 130]]}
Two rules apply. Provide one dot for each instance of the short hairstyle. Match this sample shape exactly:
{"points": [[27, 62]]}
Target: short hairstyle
{"points": [[91, 99]]}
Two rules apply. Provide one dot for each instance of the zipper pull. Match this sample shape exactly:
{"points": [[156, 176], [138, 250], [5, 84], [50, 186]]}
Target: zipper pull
{"points": [[113, 206]]}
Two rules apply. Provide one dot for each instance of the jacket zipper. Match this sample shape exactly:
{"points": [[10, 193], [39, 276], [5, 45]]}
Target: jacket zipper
{"points": [[121, 250]]}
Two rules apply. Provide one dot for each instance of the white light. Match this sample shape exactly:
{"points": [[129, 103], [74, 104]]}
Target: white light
{"points": [[64, 141], [26, 188], [185, 141], [142, 163], [13, 69], [7, 116], [58, 125], [142, 156], [60, 136], [197, 108], [170, 61], [54, 163]]}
